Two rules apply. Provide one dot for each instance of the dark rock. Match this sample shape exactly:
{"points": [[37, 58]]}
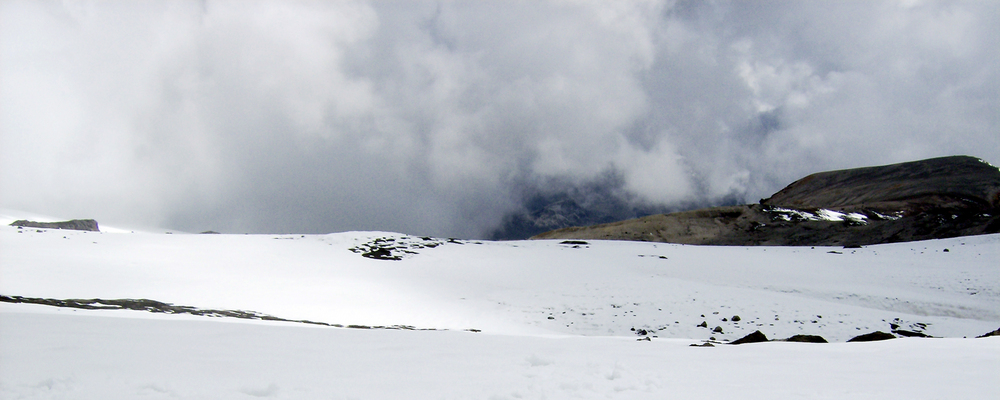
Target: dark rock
{"points": [[994, 333], [75, 224], [703, 324], [706, 344], [381, 253], [806, 339], [736, 318], [903, 332], [755, 337], [717, 329], [574, 242], [872, 337], [210, 233]]}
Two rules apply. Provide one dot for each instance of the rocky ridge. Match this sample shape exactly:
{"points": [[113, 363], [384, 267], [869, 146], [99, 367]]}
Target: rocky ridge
{"points": [[927, 199], [74, 224]]}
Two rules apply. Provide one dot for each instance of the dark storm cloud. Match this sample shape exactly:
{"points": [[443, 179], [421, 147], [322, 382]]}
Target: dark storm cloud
{"points": [[442, 118]]}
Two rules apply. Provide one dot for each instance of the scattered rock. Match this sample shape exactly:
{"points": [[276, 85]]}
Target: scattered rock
{"points": [[717, 329], [392, 248], [703, 324], [903, 332], [381, 253], [755, 337], [75, 224], [872, 337], [706, 344], [806, 339], [736, 318]]}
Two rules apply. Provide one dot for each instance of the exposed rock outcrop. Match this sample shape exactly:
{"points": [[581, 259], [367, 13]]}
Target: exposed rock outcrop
{"points": [[872, 337], [76, 224], [929, 199], [755, 337], [806, 339], [989, 334]]}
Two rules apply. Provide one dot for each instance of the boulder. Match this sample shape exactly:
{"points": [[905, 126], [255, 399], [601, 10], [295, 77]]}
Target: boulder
{"points": [[755, 337], [872, 337], [806, 339], [903, 332]]}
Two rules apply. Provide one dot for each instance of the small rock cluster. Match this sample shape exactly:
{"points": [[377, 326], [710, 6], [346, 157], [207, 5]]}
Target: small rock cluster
{"points": [[395, 249]]}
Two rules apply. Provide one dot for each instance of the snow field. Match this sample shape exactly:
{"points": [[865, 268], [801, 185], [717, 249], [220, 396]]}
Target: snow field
{"points": [[528, 287], [557, 320], [84, 355]]}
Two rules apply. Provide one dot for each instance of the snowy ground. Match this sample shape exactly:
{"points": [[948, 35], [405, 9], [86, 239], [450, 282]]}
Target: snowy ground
{"points": [[556, 320]]}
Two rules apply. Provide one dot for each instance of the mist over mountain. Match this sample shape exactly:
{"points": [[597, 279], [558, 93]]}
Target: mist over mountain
{"points": [[919, 200], [555, 204]]}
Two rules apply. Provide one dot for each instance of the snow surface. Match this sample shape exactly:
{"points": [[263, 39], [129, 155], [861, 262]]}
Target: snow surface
{"points": [[556, 320]]}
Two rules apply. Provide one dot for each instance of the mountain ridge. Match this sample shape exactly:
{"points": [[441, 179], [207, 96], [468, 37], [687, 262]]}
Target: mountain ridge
{"points": [[918, 200]]}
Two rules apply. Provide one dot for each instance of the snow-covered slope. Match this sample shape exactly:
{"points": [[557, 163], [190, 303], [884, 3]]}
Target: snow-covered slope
{"points": [[556, 320], [538, 287]]}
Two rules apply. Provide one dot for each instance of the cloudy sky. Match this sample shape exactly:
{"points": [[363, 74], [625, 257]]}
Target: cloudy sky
{"points": [[439, 118]]}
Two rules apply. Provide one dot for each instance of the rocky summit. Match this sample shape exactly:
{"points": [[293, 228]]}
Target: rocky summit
{"points": [[919, 200]]}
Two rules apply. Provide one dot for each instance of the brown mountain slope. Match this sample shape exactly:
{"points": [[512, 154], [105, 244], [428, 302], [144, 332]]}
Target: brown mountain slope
{"points": [[934, 198], [938, 182]]}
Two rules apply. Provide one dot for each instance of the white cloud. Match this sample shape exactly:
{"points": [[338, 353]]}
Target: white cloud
{"points": [[320, 116]]}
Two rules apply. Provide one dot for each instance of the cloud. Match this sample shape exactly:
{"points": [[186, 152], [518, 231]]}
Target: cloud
{"points": [[443, 118]]}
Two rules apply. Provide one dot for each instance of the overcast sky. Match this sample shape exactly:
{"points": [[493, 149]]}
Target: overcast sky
{"points": [[436, 118]]}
